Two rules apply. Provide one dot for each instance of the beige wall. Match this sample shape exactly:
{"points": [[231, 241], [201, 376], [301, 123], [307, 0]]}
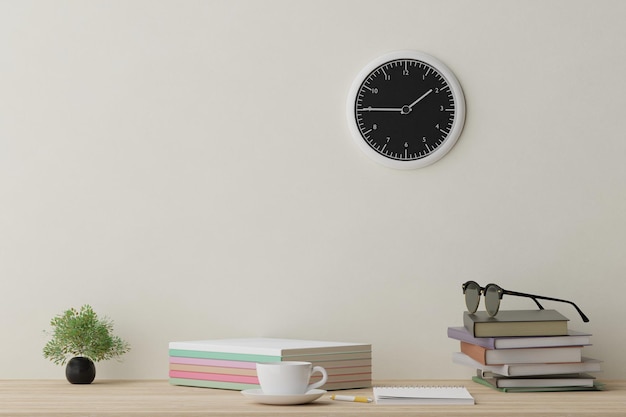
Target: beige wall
{"points": [[186, 168]]}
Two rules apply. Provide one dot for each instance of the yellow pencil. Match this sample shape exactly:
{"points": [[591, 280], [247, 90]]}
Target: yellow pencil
{"points": [[356, 399]]}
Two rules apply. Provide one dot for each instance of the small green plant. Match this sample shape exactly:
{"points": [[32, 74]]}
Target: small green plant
{"points": [[82, 333]]}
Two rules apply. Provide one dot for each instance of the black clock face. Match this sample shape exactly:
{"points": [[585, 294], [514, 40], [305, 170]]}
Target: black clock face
{"points": [[405, 109]]}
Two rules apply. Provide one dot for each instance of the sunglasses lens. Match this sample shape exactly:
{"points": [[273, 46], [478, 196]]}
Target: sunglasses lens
{"points": [[472, 296], [492, 299]]}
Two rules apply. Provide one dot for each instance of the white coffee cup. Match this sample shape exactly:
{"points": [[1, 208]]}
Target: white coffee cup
{"points": [[289, 377]]}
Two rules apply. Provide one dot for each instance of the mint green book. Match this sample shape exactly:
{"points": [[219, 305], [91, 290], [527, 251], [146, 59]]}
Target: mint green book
{"points": [[243, 357]]}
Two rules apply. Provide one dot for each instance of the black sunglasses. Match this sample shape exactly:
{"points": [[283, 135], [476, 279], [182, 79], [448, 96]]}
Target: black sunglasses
{"points": [[493, 294]]}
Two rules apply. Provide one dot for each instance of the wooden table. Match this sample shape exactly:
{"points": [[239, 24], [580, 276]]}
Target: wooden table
{"points": [[157, 398]]}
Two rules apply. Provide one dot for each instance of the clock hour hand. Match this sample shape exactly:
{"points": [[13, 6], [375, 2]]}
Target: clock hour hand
{"points": [[420, 98], [407, 109]]}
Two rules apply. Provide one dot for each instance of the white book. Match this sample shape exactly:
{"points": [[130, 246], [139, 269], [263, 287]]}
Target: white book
{"points": [[423, 395], [528, 369], [573, 338], [270, 346]]}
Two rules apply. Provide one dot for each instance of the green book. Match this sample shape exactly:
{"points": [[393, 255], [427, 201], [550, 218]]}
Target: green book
{"points": [[200, 383], [516, 323], [243, 357]]}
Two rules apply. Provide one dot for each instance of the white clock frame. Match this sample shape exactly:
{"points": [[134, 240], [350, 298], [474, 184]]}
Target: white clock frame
{"points": [[457, 94]]}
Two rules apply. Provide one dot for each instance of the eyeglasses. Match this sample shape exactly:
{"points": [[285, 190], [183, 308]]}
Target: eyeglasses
{"points": [[493, 294]]}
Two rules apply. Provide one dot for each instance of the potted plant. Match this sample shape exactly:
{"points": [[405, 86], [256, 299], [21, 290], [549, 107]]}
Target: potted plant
{"points": [[85, 338]]}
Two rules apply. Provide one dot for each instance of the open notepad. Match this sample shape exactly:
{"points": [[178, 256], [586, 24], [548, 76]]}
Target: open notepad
{"points": [[423, 395]]}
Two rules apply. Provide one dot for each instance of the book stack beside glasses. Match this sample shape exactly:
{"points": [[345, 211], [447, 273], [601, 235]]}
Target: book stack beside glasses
{"points": [[525, 350], [231, 363]]}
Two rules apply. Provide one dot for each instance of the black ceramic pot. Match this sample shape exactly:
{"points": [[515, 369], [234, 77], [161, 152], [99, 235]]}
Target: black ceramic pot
{"points": [[80, 370]]}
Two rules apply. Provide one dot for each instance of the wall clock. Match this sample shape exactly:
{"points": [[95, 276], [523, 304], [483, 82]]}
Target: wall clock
{"points": [[406, 109]]}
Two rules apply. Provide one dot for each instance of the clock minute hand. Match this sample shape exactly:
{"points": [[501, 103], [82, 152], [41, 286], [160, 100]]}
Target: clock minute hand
{"points": [[403, 109], [370, 108]]}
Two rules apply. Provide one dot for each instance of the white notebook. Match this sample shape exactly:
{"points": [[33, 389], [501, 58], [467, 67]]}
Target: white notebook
{"points": [[423, 395]]}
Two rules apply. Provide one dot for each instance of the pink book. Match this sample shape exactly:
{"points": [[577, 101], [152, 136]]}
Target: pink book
{"points": [[213, 362], [215, 377]]}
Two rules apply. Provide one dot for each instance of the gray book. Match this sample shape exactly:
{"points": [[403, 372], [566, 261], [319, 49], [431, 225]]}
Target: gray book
{"points": [[516, 323]]}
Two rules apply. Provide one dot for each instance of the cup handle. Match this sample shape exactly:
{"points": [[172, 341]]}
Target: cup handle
{"points": [[321, 381]]}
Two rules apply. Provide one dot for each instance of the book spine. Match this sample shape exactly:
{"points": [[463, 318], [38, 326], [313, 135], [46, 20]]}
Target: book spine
{"points": [[478, 353], [469, 324], [464, 336]]}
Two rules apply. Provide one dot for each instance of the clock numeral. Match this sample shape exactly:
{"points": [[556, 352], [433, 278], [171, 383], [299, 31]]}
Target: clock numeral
{"points": [[374, 126]]}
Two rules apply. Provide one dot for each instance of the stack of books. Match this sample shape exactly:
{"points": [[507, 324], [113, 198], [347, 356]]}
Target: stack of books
{"points": [[525, 350], [231, 363]]}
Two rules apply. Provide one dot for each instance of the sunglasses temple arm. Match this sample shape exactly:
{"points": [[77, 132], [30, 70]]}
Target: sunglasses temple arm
{"points": [[582, 315], [537, 302], [521, 294]]}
